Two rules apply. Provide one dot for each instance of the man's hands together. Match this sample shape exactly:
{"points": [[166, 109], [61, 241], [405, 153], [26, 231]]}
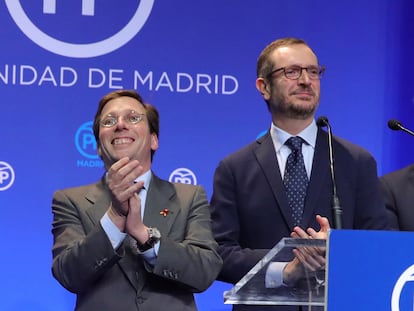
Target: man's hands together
{"points": [[125, 209], [307, 258]]}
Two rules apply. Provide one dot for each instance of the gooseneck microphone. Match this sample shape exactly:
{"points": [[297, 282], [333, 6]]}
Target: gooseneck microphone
{"points": [[397, 126], [336, 205]]}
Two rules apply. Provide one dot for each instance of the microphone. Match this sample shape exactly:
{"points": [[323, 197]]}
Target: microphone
{"points": [[336, 205], [396, 125]]}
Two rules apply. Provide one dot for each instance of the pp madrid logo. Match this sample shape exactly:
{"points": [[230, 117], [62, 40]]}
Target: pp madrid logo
{"points": [[184, 176], [402, 294], [86, 145], [53, 11], [85, 141], [6, 176]]}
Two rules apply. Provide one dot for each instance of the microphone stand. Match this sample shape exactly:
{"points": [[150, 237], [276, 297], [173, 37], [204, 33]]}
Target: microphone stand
{"points": [[336, 205]]}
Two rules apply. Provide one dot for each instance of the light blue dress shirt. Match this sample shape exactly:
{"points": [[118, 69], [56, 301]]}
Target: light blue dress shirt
{"points": [[116, 236]]}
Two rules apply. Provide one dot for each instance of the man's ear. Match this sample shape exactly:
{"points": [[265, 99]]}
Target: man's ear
{"points": [[154, 142], [263, 87]]}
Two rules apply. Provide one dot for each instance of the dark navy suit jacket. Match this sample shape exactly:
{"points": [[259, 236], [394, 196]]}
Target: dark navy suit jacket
{"points": [[250, 212]]}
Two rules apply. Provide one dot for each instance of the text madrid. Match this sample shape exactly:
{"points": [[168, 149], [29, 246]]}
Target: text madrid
{"points": [[118, 79]]}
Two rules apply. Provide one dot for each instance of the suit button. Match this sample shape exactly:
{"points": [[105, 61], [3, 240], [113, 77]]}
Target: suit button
{"points": [[100, 263]]}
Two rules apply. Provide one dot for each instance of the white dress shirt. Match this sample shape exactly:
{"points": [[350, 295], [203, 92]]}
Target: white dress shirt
{"points": [[274, 272]]}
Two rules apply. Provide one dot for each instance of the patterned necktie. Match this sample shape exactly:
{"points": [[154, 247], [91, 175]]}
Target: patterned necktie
{"points": [[295, 179]]}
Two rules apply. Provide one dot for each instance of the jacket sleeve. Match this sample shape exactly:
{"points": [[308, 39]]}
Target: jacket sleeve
{"points": [[188, 254], [81, 249]]}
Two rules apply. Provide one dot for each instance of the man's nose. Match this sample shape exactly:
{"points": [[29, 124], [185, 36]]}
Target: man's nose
{"points": [[121, 124], [304, 77]]}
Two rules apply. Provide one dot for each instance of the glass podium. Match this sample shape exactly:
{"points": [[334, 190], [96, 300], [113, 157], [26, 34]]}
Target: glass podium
{"points": [[309, 291]]}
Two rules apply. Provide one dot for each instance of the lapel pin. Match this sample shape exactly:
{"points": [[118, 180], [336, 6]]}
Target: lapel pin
{"points": [[164, 212]]}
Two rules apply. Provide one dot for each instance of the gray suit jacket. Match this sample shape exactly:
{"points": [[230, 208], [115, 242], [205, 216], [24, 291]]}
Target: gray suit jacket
{"points": [[85, 263]]}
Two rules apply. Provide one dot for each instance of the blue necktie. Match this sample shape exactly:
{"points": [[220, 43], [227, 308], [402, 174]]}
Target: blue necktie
{"points": [[295, 178]]}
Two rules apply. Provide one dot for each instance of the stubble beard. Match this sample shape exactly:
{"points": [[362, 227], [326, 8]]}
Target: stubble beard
{"points": [[294, 110], [302, 112]]}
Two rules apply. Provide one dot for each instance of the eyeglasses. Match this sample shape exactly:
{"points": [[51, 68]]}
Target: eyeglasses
{"points": [[132, 117], [294, 72]]}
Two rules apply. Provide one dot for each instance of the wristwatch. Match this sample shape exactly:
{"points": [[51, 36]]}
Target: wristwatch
{"points": [[154, 236]]}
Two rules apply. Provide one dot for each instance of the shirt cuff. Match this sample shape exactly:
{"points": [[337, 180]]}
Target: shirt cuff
{"points": [[274, 274], [114, 234], [151, 254]]}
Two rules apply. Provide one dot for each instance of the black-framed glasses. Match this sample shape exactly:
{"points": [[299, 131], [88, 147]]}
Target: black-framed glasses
{"points": [[294, 72], [131, 117]]}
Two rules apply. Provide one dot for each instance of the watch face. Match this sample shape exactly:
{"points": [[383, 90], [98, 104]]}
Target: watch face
{"points": [[154, 233], [154, 236]]}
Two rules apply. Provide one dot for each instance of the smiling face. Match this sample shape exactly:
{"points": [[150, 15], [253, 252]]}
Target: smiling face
{"points": [[126, 138], [287, 98]]}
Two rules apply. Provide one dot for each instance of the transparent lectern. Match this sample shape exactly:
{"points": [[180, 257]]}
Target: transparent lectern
{"points": [[309, 291]]}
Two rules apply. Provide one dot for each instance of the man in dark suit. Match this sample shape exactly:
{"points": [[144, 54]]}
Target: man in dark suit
{"points": [[132, 241], [251, 209], [398, 190]]}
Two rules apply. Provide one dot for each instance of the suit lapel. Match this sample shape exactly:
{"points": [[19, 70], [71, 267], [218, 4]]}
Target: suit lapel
{"points": [[159, 210], [266, 156], [320, 172], [99, 199]]}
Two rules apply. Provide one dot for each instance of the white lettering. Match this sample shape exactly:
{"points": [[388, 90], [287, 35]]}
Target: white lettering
{"points": [[89, 163], [185, 83], [63, 73], [224, 80], [100, 73], [47, 76], [23, 71], [5, 75], [190, 82], [4, 175], [137, 75], [88, 7], [180, 82], [205, 84], [49, 6], [166, 83], [216, 86], [113, 78]]}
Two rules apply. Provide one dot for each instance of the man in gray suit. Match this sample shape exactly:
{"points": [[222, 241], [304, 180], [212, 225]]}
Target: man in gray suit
{"points": [[132, 241]]}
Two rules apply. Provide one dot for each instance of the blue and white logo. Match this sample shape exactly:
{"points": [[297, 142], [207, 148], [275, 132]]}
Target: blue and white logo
{"points": [[6, 176], [128, 19], [403, 292], [184, 176], [85, 141]]}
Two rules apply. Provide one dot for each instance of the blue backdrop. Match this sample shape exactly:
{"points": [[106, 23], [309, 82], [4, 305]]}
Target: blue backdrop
{"points": [[195, 61]]}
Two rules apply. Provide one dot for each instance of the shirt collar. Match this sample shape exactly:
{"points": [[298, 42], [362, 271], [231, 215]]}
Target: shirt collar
{"points": [[146, 177], [280, 136]]}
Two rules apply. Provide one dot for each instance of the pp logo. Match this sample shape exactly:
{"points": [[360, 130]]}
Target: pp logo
{"points": [[402, 294], [85, 141], [184, 176], [89, 19], [6, 176]]}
